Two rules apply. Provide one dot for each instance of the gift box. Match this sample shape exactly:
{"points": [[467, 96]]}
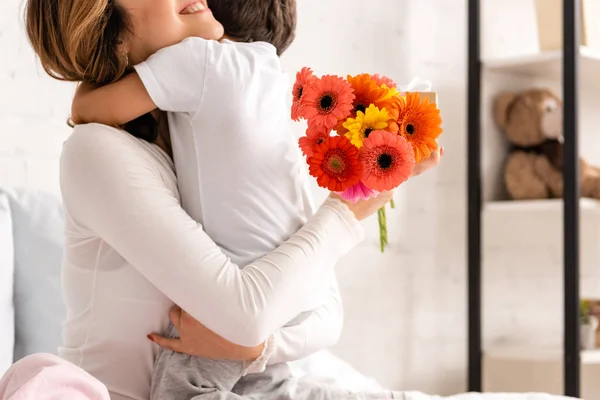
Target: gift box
{"points": [[431, 96], [549, 21]]}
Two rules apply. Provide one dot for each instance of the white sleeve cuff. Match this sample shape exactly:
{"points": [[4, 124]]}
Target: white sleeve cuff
{"points": [[152, 86], [354, 227], [260, 364]]}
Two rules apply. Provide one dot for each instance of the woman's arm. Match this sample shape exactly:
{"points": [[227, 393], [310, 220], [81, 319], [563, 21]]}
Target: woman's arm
{"points": [[321, 330], [111, 190]]}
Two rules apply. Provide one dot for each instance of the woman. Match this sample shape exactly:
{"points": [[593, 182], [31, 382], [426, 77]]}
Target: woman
{"points": [[131, 251]]}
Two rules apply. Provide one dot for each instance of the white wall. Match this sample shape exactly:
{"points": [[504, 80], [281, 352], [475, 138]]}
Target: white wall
{"points": [[33, 109], [406, 309]]}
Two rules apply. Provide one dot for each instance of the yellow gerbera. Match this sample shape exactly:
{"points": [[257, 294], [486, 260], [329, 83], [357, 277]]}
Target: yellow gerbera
{"points": [[359, 128], [391, 92]]}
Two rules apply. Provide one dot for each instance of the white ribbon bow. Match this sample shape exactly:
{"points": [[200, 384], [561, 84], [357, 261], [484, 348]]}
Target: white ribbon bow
{"points": [[417, 85]]}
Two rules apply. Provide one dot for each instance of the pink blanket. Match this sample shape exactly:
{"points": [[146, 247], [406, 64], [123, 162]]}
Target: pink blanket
{"points": [[47, 377]]}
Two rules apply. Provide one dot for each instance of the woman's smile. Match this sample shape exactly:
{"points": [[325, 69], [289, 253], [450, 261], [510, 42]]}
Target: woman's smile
{"points": [[197, 7]]}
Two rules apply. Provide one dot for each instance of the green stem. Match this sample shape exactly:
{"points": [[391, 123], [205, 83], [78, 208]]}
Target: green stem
{"points": [[392, 204], [383, 240]]}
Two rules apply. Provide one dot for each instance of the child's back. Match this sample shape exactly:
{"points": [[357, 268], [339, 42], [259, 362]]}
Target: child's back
{"points": [[239, 169]]}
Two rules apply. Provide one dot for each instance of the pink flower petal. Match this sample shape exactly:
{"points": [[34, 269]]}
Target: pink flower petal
{"points": [[358, 192]]}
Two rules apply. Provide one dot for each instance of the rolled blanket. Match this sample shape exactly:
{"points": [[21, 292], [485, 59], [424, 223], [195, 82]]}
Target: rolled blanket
{"points": [[48, 377]]}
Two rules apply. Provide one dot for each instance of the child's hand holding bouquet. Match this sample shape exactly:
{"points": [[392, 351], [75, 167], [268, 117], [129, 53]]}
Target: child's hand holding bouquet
{"points": [[380, 134]]}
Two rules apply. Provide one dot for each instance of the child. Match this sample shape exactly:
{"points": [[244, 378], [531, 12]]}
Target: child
{"points": [[239, 171]]}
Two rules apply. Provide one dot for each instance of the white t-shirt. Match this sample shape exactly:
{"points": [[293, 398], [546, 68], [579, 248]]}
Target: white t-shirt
{"points": [[239, 169], [131, 251]]}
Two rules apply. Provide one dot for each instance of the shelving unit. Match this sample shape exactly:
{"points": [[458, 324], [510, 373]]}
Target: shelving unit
{"points": [[540, 353], [531, 225], [569, 66], [553, 206]]}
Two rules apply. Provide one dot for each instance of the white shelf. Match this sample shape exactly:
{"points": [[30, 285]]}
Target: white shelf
{"points": [[548, 65], [547, 205], [537, 354], [528, 237], [532, 369]]}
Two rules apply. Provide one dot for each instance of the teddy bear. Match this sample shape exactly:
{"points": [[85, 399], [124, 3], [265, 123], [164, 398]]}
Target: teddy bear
{"points": [[532, 122]]}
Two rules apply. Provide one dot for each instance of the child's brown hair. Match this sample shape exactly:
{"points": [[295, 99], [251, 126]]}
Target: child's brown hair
{"points": [[272, 21]]}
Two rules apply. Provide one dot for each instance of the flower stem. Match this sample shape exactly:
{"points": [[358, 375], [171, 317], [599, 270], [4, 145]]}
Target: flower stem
{"points": [[392, 204], [383, 241]]}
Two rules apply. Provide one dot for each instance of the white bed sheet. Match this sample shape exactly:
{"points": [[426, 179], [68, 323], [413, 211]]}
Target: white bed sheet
{"points": [[324, 365], [487, 396]]}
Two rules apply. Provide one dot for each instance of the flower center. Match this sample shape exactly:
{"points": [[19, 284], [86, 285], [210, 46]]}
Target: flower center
{"points": [[327, 102], [335, 164], [368, 132], [360, 107], [385, 161], [410, 129]]}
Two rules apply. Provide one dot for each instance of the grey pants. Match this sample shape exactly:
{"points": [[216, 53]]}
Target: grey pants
{"points": [[181, 377]]}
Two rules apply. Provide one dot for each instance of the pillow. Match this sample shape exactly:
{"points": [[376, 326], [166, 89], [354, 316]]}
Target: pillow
{"points": [[38, 221], [7, 315]]}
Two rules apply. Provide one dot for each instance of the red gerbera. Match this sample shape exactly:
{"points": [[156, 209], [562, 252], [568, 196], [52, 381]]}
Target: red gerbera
{"points": [[313, 137], [335, 164], [325, 101], [303, 78], [388, 160]]}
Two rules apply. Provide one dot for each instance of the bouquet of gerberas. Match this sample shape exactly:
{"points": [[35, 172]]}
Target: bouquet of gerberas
{"points": [[380, 134]]}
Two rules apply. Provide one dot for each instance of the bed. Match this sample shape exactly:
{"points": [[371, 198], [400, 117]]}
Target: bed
{"points": [[31, 308]]}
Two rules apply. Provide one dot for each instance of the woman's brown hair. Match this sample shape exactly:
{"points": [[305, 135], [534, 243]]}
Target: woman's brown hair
{"points": [[79, 41]]}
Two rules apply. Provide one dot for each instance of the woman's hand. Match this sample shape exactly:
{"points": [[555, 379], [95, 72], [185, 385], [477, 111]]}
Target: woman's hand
{"points": [[197, 340], [426, 165], [365, 208]]}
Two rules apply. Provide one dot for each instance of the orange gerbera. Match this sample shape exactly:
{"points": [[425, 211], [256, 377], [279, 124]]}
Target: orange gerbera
{"points": [[335, 164], [313, 138], [303, 78], [420, 123], [388, 160], [366, 93], [326, 101]]}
